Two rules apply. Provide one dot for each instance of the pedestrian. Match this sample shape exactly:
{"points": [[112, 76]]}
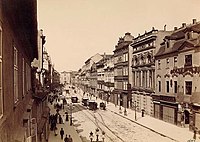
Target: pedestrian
{"points": [[70, 139], [60, 119], [61, 133], [55, 130], [66, 139]]}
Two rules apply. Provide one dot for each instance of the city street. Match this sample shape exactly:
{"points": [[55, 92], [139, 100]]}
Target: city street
{"points": [[117, 128]]}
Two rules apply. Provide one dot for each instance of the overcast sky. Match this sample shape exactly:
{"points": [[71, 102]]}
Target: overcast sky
{"points": [[78, 29]]}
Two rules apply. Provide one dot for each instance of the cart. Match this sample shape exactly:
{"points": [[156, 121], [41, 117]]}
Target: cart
{"points": [[92, 105]]}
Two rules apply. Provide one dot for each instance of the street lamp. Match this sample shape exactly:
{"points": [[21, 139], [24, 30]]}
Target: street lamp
{"points": [[135, 106], [103, 135], [97, 134], [91, 136], [71, 107]]}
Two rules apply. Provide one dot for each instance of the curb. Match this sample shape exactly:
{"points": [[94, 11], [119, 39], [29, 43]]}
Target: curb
{"points": [[144, 126]]}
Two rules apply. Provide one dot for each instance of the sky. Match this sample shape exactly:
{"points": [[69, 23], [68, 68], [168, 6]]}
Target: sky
{"points": [[75, 30]]}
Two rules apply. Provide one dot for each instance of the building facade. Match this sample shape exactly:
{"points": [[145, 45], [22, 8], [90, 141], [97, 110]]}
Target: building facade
{"points": [[121, 68], [18, 48], [109, 78], [142, 75], [65, 77], [177, 77], [103, 85]]}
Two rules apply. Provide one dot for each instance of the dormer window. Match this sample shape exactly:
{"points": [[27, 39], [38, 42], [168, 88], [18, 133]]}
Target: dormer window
{"points": [[167, 44]]}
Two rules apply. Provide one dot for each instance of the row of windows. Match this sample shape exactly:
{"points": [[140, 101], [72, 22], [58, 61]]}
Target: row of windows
{"points": [[26, 75], [144, 46], [188, 61], [121, 85], [144, 78], [120, 72], [122, 58], [188, 87]]}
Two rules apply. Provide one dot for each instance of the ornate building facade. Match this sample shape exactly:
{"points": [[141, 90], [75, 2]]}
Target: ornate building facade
{"points": [[177, 94], [142, 76]]}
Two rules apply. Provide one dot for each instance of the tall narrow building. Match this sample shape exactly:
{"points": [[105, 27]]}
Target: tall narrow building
{"points": [[121, 68]]}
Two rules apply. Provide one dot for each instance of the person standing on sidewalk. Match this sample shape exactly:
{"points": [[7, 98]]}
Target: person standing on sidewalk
{"points": [[70, 139], [61, 133], [66, 139]]}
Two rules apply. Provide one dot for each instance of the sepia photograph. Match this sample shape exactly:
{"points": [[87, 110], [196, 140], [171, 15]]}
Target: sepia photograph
{"points": [[99, 71]]}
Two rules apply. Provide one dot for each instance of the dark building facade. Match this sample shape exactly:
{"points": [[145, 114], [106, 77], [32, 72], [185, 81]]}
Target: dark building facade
{"points": [[18, 48]]}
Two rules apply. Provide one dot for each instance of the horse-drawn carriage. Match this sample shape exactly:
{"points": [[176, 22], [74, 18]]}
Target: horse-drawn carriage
{"points": [[85, 101], [102, 106], [92, 105], [74, 99]]}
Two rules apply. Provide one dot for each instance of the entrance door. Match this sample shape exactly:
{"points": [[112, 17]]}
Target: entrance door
{"points": [[187, 116], [168, 114]]}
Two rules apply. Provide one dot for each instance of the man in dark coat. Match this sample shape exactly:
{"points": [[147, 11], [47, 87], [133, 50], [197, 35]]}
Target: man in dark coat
{"points": [[66, 139], [61, 133]]}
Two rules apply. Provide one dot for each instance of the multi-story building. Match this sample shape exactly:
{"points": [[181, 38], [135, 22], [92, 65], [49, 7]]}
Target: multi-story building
{"points": [[102, 86], [18, 48], [73, 77], [142, 73], [177, 94], [65, 77], [121, 67], [90, 73], [109, 78], [55, 80]]}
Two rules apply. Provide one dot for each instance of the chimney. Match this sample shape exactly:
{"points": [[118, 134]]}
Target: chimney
{"points": [[175, 28], [153, 28], [194, 21], [183, 25], [165, 27]]}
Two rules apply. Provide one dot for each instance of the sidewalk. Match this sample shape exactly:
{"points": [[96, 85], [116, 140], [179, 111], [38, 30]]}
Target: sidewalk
{"points": [[158, 126], [69, 130]]}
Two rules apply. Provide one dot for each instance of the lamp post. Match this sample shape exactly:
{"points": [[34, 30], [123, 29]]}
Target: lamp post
{"points": [[135, 110], [103, 135], [125, 105], [91, 136], [97, 134], [71, 107]]}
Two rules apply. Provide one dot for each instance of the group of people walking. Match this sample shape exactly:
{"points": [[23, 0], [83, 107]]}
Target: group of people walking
{"points": [[57, 118], [66, 139]]}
